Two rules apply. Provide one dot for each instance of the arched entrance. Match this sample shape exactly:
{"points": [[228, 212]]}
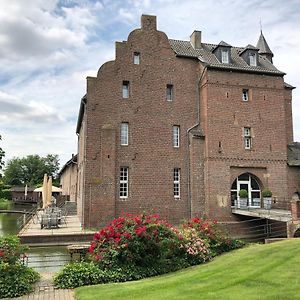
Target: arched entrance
{"points": [[249, 183]]}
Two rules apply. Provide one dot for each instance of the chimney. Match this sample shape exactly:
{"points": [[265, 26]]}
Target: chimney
{"points": [[148, 22], [195, 39]]}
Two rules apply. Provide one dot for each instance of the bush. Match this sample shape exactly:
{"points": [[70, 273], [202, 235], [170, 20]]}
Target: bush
{"points": [[266, 193], [15, 278], [6, 194], [134, 247], [4, 203], [243, 194], [136, 240], [217, 239]]}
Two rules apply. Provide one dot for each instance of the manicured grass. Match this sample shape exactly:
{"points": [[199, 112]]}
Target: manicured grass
{"points": [[256, 272]]}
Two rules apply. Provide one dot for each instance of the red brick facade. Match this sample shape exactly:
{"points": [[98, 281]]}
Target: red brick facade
{"points": [[207, 105]]}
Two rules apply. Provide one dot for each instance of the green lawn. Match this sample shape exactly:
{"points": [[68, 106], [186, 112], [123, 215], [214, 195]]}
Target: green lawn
{"points": [[256, 272]]}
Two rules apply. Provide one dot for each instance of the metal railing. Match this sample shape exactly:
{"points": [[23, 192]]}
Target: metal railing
{"points": [[26, 217]]}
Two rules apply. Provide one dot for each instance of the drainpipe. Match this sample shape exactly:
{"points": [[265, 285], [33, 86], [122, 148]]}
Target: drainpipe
{"points": [[198, 98]]}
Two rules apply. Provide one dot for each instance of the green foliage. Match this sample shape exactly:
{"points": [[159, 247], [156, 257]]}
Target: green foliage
{"points": [[4, 203], [243, 193], [266, 193], [15, 278], [30, 169], [214, 239], [5, 193], [89, 273], [138, 240], [2, 154], [133, 247], [11, 249]]}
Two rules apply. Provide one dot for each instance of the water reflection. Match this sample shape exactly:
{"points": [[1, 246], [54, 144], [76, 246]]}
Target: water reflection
{"points": [[10, 222], [42, 259], [48, 259]]}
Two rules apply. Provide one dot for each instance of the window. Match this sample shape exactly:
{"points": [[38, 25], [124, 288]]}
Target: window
{"points": [[169, 92], [125, 90], [124, 182], [176, 186], [136, 58], [124, 134], [176, 130], [245, 95], [224, 57], [249, 183], [247, 138], [252, 59]]}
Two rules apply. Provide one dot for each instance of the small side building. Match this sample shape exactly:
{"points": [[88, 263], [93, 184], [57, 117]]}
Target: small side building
{"points": [[18, 195], [68, 179]]}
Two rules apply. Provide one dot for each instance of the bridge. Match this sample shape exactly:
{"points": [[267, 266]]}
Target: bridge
{"points": [[290, 216]]}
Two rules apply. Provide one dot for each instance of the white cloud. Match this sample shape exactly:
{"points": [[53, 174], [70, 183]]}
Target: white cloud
{"points": [[47, 48]]}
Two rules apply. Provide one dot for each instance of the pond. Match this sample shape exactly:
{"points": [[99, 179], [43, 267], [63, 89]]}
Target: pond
{"points": [[43, 259]]}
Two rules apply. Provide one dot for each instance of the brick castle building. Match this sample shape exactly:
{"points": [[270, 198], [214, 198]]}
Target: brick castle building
{"points": [[179, 127]]}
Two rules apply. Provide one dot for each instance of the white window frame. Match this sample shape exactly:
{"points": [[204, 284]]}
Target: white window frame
{"points": [[136, 58], [176, 183], [124, 133], [225, 56], [176, 136], [247, 138], [124, 179], [125, 89], [253, 59], [245, 95], [170, 92]]}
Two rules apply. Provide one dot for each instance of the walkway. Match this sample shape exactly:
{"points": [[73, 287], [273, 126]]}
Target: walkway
{"points": [[45, 290], [271, 214]]}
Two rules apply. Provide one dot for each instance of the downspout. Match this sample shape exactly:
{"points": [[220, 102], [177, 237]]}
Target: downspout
{"points": [[198, 98]]}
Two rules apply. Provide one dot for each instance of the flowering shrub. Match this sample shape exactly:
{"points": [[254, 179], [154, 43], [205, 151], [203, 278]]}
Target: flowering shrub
{"points": [[141, 240], [197, 248], [132, 247], [218, 240]]}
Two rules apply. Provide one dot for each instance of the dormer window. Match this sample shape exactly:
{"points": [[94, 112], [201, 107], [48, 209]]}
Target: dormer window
{"points": [[224, 57], [252, 59], [250, 55], [223, 52]]}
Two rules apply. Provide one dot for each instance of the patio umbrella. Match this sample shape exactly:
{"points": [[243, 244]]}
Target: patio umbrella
{"points": [[49, 190], [55, 189], [26, 191], [44, 191]]}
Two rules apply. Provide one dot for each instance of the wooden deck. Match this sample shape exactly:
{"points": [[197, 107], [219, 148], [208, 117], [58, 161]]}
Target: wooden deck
{"points": [[68, 232]]}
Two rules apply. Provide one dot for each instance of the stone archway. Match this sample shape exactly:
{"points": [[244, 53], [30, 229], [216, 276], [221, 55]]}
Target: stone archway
{"points": [[297, 233]]}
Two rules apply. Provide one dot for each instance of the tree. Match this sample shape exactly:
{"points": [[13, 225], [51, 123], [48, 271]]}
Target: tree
{"points": [[30, 170], [2, 154]]}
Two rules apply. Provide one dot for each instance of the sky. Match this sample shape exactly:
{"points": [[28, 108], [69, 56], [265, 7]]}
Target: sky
{"points": [[49, 47]]}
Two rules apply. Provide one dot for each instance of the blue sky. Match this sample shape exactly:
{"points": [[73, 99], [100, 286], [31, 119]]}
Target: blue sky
{"points": [[48, 47]]}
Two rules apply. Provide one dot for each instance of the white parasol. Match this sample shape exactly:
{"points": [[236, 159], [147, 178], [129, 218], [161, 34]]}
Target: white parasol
{"points": [[44, 191], [49, 191]]}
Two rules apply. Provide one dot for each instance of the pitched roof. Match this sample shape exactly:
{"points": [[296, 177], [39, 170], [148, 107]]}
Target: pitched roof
{"points": [[294, 154], [262, 45], [205, 55], [224, 44]]}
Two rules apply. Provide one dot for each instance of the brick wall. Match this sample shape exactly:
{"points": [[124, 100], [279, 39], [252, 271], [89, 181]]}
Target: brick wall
{"points": [[211, 116]]}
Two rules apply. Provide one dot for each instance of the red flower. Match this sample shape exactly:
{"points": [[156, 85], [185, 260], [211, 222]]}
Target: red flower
{"points": [[140, 230], [96, 235]]}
